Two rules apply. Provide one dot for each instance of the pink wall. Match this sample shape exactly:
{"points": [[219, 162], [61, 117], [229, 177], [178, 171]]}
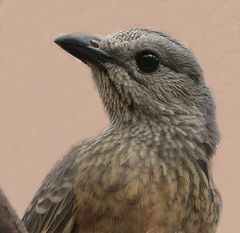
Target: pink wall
{"points": [[48, 101]]}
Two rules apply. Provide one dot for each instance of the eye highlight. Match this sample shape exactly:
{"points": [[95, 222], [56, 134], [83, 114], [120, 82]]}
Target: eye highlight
{"points": [[147, 61]]}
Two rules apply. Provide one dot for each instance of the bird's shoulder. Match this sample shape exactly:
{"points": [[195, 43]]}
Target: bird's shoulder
{"points": [[53, 205]]}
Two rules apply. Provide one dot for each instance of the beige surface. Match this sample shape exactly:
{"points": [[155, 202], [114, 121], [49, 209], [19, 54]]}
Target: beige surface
{"points": [[48, 101]]}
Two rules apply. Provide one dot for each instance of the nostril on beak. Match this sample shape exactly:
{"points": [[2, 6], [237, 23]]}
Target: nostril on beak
{"points": [[94, 43]]}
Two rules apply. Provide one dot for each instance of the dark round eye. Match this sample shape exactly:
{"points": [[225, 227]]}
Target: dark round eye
{"points": [[147, 62]]}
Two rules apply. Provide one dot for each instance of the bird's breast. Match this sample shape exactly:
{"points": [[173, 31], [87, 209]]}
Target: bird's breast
{"points": [[123, 187], [136, 187]]}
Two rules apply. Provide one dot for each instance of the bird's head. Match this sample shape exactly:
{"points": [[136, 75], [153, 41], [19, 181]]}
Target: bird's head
{"points": [[143, 74]]}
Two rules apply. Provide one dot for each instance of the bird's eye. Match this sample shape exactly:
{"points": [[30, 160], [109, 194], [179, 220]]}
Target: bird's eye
{"points": [[147, 62]]}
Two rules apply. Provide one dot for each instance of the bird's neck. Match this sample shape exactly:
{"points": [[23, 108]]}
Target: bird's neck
{"points": [[178, 132]]}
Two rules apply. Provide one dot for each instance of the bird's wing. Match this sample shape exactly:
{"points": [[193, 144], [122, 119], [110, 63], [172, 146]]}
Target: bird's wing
{"points": [[52, 209]]}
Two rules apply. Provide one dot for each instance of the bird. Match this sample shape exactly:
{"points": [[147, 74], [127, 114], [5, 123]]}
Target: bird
{"points": [[149, 170]]}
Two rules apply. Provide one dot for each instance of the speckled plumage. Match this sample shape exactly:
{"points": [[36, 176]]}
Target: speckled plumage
{"points": [[148, 172]]}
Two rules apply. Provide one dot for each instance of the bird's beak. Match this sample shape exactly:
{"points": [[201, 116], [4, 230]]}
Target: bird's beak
{"points": [[84, 47]]}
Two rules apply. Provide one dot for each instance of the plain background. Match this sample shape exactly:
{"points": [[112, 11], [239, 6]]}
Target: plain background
{"points": [[48, 101]]}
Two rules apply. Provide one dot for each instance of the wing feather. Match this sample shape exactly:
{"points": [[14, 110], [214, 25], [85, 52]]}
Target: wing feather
{"points": [[52, 209]]}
